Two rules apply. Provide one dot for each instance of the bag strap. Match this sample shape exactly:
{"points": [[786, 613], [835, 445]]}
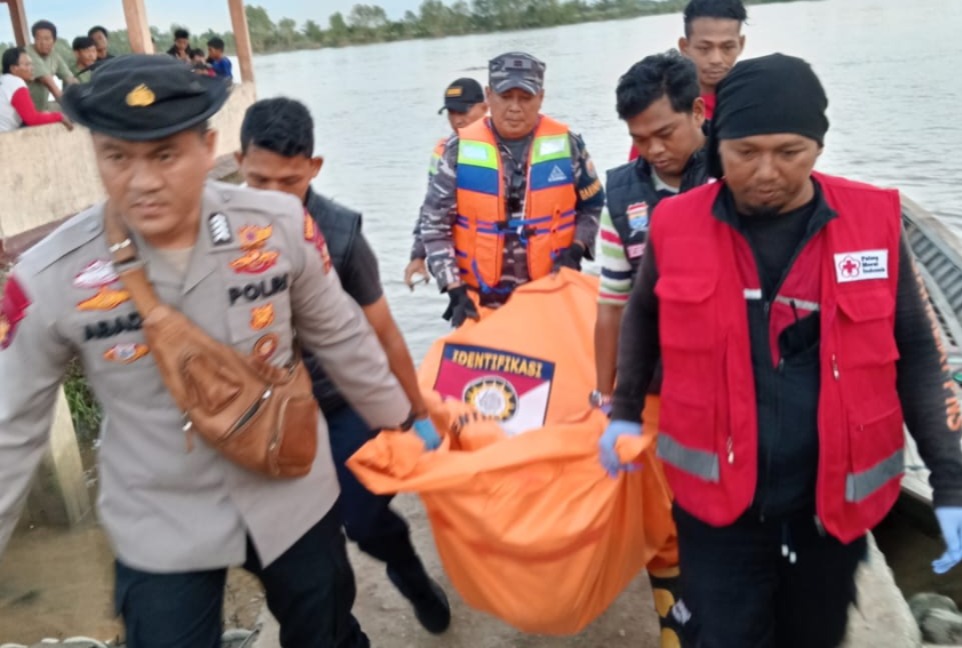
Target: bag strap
{"points": [[128, 264]]}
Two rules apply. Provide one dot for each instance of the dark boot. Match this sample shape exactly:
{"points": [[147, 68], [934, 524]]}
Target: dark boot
{"points": [[430, 602], [677, 630]]}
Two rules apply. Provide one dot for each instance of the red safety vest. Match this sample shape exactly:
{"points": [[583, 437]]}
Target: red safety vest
{"points": [[550, 199], [848, 273]]}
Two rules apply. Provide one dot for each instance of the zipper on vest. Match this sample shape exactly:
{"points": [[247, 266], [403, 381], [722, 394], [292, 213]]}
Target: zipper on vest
{"points": [[730, 449], [834, 367], [819, 526]]}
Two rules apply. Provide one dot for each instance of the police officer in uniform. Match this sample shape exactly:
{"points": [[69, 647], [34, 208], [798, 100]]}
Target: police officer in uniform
{"points": [[277, 152], [515, 196], [239, 264]]}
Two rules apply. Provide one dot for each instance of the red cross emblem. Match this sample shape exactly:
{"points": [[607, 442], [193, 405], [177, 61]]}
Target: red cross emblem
{"points": [[850, 267]]}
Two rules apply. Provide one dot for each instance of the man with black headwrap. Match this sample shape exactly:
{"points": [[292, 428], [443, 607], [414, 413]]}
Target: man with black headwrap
{"points": [[795, 338]]}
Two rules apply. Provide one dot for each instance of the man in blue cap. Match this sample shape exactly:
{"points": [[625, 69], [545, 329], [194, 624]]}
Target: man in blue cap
{"points": [[515, 196], [249, 270]]}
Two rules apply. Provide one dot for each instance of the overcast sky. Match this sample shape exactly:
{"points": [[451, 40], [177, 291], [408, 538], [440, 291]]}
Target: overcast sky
{"points": [[74, 18]]}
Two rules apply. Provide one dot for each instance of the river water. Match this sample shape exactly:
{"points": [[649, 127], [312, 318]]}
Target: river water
{"points": [[886, 65]]}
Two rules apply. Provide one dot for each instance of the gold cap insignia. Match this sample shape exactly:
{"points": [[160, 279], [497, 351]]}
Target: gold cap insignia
{"points": [[454, 92], [140, 96]]}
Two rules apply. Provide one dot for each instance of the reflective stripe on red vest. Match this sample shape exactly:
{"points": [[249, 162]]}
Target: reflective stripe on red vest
{"points": [[548, 225], [848, 273]]}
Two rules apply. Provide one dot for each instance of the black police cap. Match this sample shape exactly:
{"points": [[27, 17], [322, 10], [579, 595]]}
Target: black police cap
{"points": [[141, 97], [462, 95]]}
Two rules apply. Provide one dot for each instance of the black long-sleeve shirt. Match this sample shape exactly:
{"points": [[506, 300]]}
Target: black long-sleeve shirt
{"points": [[923, 382]]}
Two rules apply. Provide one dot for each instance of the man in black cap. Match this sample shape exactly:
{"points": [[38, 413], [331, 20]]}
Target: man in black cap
{"points": [[465, 104], [795, 337], [252, 271], [515, 197]]}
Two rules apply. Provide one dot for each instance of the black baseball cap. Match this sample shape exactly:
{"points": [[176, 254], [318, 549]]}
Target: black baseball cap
{"points": [[139, 97], [461, 95]]}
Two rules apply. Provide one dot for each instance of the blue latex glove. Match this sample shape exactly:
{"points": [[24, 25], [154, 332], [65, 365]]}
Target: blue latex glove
{"points": [[424, 428], [950, 521], [606, 446]]}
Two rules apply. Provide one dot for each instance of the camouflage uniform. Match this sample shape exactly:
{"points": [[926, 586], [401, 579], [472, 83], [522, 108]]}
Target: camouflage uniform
{"points": [[439, 211]]}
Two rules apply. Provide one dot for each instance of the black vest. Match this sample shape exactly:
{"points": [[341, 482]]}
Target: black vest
{"points": [[340, 227], [631, 195]]}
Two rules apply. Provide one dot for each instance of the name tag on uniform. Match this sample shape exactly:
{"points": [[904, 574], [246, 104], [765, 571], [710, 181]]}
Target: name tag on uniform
{"points": [[861, 265], [636, 250]]}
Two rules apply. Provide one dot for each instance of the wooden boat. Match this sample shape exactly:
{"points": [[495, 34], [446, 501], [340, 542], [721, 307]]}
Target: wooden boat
{"points": [[938, 252]]}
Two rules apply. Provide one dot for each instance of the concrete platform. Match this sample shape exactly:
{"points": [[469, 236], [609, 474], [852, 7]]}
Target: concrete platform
{"points": [[882, 620]]}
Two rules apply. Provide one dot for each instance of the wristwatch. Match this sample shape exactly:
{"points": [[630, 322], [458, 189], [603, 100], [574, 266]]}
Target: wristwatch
{"points": [[599, 400], [408, 423], [415, 415]]}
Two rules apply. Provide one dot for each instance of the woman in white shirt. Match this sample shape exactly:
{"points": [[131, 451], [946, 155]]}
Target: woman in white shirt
{"points": [[16, 106]]}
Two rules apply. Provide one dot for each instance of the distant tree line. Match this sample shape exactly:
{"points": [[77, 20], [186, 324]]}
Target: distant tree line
{"points": [[369, 23]]}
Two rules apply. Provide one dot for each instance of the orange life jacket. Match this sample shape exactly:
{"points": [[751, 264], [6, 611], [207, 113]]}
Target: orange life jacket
{"points": [[847, 274], [550, 198]]}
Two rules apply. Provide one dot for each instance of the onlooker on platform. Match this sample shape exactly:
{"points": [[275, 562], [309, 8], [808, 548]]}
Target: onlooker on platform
{"points": [[215, 57], [16, 106], [85, 57], [46, 65], [199, 62], [181, 47], [102, 40]]}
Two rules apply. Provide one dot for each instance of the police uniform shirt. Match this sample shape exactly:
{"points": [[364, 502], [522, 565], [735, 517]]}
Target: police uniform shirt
{"points": [[258, 274]]}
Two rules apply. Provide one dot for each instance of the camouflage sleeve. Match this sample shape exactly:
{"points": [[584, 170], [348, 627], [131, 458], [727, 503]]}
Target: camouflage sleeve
{"points": [[591, 195], [437, 219], [417, 248]]}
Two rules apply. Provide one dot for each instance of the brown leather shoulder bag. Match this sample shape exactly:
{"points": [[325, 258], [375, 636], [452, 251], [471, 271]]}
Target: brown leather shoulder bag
{"points": [[259, 416]]}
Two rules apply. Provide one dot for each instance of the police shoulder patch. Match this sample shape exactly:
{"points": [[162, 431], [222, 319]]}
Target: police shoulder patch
{"points": [[13, 308], [314, 235]]}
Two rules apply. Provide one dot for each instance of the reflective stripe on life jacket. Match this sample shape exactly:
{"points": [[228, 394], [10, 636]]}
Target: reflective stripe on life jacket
{"points": [[548, 225], [847, 275]]}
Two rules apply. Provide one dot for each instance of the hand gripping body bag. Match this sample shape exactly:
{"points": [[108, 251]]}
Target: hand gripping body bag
{"points": [[528, 525]]}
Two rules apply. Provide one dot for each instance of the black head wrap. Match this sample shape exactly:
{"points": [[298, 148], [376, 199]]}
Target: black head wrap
{"points": [[765, 95]]}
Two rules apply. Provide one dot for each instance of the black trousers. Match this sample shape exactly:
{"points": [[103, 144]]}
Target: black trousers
{"points": [[368, 518], [743, 592], [310, 590]]}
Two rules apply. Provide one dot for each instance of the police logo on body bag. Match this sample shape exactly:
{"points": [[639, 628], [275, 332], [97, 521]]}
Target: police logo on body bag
{"points": [[511, 388]]}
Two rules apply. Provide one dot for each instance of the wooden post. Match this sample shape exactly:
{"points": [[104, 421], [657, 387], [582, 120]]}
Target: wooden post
{"points": [[18, 18], [138, 30], [242, 39], [59, 494]]}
